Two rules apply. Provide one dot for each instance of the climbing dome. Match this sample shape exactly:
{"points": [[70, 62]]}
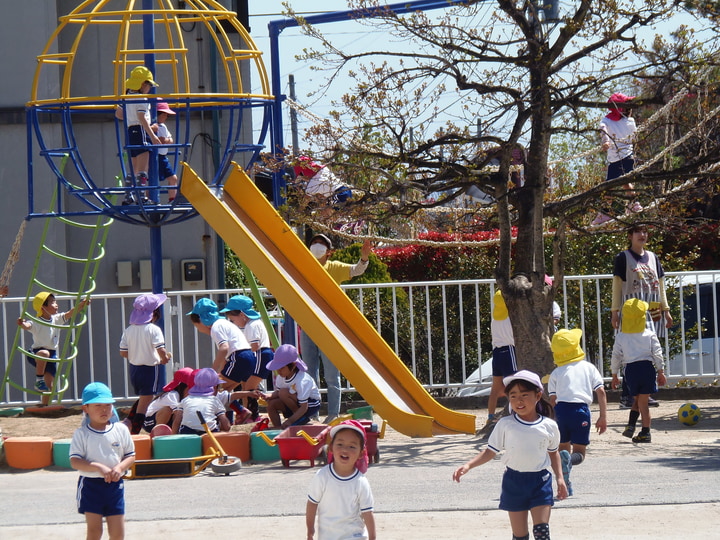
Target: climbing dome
{"points": [[203, 60]]}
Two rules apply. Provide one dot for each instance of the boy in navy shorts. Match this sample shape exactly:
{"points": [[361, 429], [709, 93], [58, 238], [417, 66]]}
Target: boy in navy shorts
{"points": [[638, 351], [102, 450], [234, 360], [570, 387], [504, 362], [46, 339]]}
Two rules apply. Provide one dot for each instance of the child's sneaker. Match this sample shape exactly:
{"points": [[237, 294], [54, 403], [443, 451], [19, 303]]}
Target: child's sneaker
{"points": [[626, 402], [642, 438], [629, 431], [40, 385]]}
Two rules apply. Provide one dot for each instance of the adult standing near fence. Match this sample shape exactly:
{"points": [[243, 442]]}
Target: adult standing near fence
{"points": [[638, 273], [321, 247]]}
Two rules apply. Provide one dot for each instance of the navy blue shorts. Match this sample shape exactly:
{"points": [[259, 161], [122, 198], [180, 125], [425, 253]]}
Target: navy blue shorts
{"points": [[147, 380], [240, 366], [263, 357], [525, 490], [640, 377], [50, 367], [165, 170], [304, 419], [184, 430], [137, 137], [504, 362], [341, 195], [618, 168], [96, 496], [574, 422]]}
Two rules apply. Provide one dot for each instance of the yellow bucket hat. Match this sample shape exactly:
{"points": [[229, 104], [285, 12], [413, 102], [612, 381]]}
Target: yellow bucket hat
{"points": [[39, 300], [500, 311], [634, 318], [565, 346], [138, 76]]}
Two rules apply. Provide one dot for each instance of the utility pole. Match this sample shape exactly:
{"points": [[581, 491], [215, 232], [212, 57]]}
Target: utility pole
{"points": [[293, 117]]}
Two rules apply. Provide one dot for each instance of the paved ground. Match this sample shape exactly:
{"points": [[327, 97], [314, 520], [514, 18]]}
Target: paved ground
{"points": [[665, 490]]}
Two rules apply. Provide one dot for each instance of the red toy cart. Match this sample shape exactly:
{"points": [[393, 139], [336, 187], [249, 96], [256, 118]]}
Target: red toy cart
{"points": [[302, 442], [372, 434]]}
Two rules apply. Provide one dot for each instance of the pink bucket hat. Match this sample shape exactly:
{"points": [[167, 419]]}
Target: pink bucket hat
{"points": [[163, 107], [143, 307], [183, 375]]}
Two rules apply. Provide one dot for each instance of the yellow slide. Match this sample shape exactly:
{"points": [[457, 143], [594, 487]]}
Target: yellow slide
{"points": [[268, 246]]}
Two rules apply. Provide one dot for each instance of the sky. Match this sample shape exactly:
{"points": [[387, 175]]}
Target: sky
{"points": [[350, 36]]}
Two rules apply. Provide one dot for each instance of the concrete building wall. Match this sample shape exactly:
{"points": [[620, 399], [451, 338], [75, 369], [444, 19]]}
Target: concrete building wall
{"points": [[25, 28]]}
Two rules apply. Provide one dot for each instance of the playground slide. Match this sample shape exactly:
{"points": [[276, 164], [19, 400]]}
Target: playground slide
{"points": [[273, 252]]}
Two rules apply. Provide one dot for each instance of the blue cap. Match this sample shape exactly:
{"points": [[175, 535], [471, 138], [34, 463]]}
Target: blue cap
{"points": [[240, 302], [97, 392], [207, 310]]}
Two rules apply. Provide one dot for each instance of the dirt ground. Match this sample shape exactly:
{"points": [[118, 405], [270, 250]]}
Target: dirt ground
{"points": [[667, 431]]}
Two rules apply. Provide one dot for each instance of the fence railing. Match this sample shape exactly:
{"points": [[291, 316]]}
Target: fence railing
{"points": [[441, 330]]}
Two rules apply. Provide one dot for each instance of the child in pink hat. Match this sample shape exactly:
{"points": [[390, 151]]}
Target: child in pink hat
{"points": [[161, 410], [339, 495], [143, 345]]}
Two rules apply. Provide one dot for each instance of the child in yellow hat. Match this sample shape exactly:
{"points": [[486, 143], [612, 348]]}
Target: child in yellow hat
{"points": [[136, 112], [46, 338], [570, 387], [638, 351]]}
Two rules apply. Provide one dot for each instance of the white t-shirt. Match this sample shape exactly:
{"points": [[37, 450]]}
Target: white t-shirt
{"points": [[141, 342], [501, 333], [575, 382], [209, 406], [134, 106], [44, 336], [341, 502], [162, 132], [619, 133], [303, 385], [526, 445], [255, 332], [168, 399], [223, 331], [323, 183], [108, 447], [629, 348]]}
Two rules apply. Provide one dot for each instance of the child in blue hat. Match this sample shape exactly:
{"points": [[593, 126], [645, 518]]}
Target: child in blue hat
{"points": [[102, 450], [239, 310], [234, 359]]}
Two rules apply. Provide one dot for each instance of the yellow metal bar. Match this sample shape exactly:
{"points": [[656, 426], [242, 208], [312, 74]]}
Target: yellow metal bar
{"points": [[270, 248]]}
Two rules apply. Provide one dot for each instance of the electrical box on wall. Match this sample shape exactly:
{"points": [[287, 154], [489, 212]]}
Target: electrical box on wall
{"points": [[146, 274], [124, 274], [192, 272]]}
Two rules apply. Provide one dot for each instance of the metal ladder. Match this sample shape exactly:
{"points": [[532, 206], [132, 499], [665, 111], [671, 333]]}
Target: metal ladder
{"points": [[67, 352]]}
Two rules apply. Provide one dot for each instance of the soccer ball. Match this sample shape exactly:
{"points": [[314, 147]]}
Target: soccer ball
{"points": [[689, 414]]}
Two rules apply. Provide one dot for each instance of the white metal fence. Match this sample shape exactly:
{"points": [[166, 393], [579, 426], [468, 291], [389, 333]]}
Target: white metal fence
{"points": [[440, 329]]}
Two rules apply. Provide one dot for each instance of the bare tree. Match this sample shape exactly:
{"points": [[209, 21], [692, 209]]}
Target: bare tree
{"points": [[532, 82]]}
